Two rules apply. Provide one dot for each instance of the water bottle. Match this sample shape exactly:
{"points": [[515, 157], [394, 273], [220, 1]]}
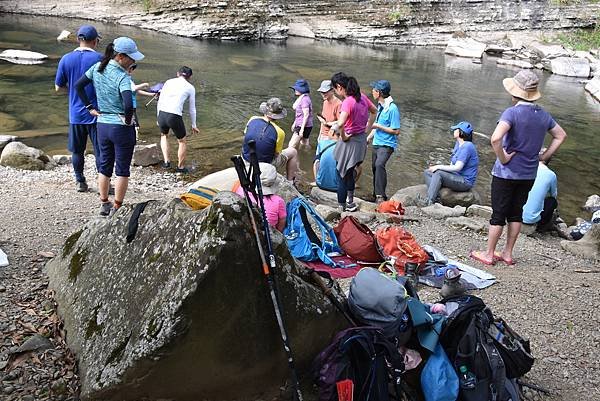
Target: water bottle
{"points": [[468, 380]]}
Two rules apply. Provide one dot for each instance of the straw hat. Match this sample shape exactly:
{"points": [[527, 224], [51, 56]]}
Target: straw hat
{"points": [[524, 85]]}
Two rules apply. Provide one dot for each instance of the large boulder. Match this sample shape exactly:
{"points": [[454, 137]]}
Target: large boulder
{"points": [[21, 156], [570, 67], [146, 155], [5, 140], [593, 87], [411, 196], [549, 51], [465, 47], [452, 198], [438, 211], [480, 211], [183, 311], [588, 246]]}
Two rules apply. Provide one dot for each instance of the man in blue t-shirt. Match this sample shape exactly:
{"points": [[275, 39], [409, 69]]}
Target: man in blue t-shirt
{"points": [[81, 123], [324, 167], [384, 135], [461, 173]]}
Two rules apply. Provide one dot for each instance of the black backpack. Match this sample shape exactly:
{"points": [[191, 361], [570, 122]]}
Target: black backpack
{"points": [[467, 343], [365, 356]]}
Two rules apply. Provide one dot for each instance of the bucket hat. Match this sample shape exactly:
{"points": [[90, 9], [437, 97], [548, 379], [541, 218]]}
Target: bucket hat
{"points": [[524, 85], [301, 86], [268, 178], [127, 46], [273, 108]]}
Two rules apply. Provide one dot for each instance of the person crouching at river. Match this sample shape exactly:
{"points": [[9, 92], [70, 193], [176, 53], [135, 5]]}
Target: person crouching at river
{"points": [[357, 114], [517, 141], [269, 138], [116, 131], [303, 119], [384, 135], [461, 173]]}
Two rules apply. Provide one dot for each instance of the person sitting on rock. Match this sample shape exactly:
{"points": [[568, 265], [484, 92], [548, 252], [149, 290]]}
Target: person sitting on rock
{"points": [[461, 173], [324, 166], [274, 204], [541, 200], [269, 139]]}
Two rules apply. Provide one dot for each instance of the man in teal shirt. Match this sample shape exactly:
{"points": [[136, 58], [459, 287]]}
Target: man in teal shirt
{"points": [[384, 136]]}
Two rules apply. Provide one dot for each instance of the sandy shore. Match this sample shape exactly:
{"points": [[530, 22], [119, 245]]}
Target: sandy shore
{"points": [[547, 297]]}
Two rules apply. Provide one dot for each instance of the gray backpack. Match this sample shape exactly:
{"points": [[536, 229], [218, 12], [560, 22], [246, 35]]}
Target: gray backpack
{"points": [[378, 300]]}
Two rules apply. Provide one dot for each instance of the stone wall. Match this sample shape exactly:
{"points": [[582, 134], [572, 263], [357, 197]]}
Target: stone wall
{"points": [[416, 22]]}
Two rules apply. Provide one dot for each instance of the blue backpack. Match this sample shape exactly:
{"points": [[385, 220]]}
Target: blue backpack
{"points": [[303, 242]]}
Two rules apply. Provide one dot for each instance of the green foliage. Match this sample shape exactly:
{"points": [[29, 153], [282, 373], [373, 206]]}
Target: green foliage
{"points": [[147, 4], [581, 39], [400, 12]]}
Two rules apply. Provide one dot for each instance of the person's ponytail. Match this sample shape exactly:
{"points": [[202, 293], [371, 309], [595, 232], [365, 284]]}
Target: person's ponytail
{"points": [[352, 89], [109, 54]]}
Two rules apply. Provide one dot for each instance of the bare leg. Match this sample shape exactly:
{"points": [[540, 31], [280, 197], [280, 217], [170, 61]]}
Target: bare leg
{"points": [[181, 152], [292, 163], [512, 233], [316, 168], [164, 146], [103, 184], [493, 236], [294, 141], [120, 189]]}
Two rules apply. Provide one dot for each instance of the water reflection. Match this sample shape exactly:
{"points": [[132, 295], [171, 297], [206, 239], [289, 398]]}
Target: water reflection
{"points": [[432, 90]]}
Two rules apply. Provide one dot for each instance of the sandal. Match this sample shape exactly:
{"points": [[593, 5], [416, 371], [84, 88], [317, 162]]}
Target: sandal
{"points": [[479, 256], [498, 257]]}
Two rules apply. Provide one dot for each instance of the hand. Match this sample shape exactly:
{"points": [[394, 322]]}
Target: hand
{"points": [[370, 137], [433, 169], [94, 112], [144, 85], [195, 130], [506, 156]]}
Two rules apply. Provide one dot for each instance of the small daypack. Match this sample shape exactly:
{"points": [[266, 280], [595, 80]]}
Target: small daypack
{"points": [[364, 356], [199, 198], [400, 244], [357, 240], [375, 299], [303, 242], [514, 349]]}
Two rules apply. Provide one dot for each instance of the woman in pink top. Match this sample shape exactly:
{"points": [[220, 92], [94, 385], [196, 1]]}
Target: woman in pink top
{"points": [[356, 118], [274, 204], [303, 121]]}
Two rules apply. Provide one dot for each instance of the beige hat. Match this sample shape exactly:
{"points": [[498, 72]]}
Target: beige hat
{"points": [[524, 85], [268, 178]]}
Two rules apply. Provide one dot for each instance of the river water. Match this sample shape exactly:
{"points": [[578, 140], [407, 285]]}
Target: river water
{"points": [[432, 90]]}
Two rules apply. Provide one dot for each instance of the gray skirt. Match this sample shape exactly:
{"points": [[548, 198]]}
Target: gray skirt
{"points": [[350, 153]]}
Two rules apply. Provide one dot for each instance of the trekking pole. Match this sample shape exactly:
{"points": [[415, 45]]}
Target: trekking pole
{"points": [[327, 290], [245, 183]]}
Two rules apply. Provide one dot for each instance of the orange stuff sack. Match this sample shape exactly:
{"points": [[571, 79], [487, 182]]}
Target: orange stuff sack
{"points": [[396, 242], [391, 206]]}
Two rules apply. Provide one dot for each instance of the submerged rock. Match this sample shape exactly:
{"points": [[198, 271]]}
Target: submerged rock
{"points": [[183, 310], [21, 156]]}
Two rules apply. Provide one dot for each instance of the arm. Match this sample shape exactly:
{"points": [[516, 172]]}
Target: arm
{"points": [[193, 110], [141, 86], [80, 88], [372, 114], [305, 113], [558, 137], [127, 105], [280, 224], [61, 89], [496, 141], [60, 82], [144, 93], [458, 166], [338, 126]]}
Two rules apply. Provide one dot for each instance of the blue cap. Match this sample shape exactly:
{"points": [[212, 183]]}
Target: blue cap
{"points": [[127, 46], [464, 126], [87, 33], [382, 86], [301, 86]]}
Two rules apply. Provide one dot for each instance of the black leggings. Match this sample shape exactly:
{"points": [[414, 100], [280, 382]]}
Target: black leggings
{"points": [[345, 184], [508, 198]]}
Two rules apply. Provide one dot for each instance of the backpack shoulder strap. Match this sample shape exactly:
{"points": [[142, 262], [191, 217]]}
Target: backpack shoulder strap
{"points": [[324, 149]]}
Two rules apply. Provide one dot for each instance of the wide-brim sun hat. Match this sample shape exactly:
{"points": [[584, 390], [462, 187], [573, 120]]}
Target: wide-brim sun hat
{"points": [[268, 179], [127, 46], [273, 108], [524, 85]]}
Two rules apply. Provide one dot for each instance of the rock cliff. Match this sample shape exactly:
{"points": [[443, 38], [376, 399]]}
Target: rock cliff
{"points": [[415, 22]]}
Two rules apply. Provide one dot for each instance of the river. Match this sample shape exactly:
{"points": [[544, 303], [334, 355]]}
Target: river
{"points": [[432, 90]]}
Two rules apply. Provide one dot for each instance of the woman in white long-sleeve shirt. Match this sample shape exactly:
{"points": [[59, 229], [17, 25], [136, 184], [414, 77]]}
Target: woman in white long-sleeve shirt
{"points": [[170, 115]]}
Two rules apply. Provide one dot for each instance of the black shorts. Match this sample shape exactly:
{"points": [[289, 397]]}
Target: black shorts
{"points": [[167, 121], [508, 198], [305, 134]]}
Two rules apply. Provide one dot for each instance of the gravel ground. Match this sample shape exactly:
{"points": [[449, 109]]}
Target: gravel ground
{"points": [[550, 296]]}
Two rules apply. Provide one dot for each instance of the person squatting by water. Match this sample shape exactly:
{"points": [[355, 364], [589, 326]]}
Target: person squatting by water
{"points": [[303, 115], [461, 173], [116, 131], [172, 98], [517, 141], [384, 136], [82, 124], [356, 118], [269, 138], [542, 199]]}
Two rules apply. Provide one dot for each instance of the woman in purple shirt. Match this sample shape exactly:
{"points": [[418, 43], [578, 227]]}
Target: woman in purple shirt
{"points": [[356, 117], [517, 141], [303, 121]]}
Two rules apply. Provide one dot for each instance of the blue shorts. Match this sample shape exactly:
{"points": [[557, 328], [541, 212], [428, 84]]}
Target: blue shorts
{"points": [[78, 135], [116, 148]]}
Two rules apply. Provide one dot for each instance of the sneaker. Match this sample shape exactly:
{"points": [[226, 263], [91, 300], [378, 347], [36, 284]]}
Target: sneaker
{"points": [[113, 210], [183, 170], [379, 199], [105, 208], [166, 165], [82, 186], [411, 272], [351, 207]]}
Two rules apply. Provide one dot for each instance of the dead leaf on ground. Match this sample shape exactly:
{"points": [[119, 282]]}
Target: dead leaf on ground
{"points": [[46, 254], [30, 312]]}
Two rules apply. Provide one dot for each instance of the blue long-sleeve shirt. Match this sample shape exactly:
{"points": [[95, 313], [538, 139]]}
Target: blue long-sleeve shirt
{"points": [[545, 185]]}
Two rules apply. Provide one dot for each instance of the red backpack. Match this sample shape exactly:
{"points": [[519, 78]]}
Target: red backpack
{"points": [[357, 240], [397, 242]]}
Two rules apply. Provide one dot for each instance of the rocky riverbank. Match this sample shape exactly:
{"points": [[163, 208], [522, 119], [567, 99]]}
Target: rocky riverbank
{"points": [[550, 296]]}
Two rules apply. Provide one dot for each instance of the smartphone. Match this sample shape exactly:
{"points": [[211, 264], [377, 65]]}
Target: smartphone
{"points": [[321, 116]]}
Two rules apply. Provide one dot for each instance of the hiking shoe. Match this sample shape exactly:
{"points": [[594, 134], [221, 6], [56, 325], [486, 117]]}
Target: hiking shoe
{"points": [[105, 208], [112, 211], [351, 207], [411, 273], [452, 285], [183, 170], [82, 186], [166, 165], [379, 199]]}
